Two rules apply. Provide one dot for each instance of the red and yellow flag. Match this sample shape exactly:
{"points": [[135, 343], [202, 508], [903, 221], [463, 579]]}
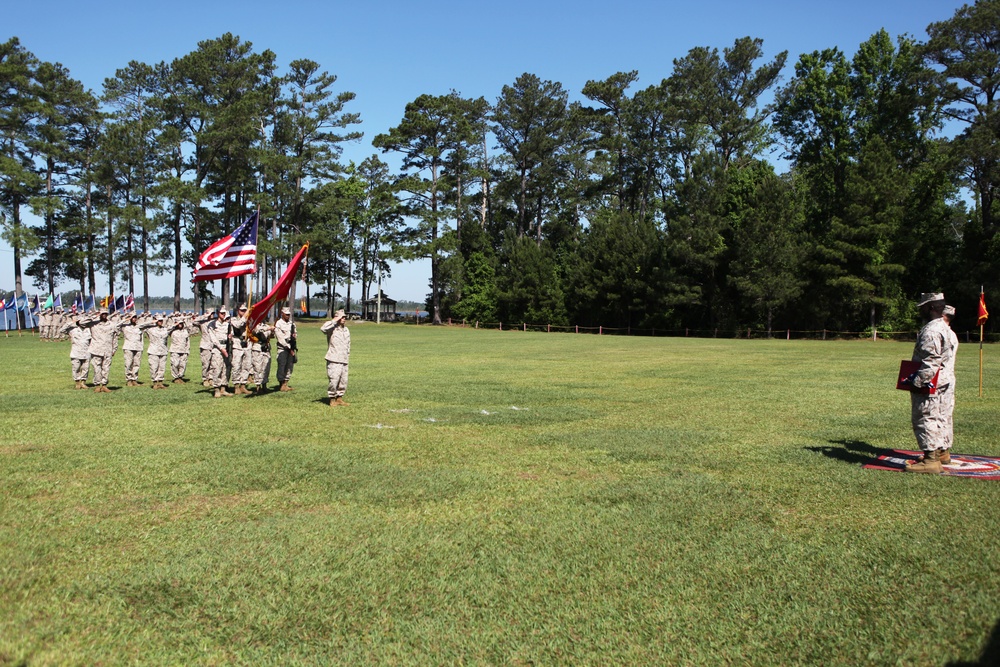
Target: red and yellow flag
{"points": [[983, 313]]}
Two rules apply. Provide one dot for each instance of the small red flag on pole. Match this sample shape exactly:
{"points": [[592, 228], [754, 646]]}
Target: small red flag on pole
{"points": [[983, 315]]}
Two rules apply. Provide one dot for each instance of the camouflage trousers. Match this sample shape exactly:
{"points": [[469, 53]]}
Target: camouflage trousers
{"points": [[178, 364], [217, 369], [157, 366], [286, 362], [261, 367], [132, 359], [241, 365], [337, 375], [79, 369], [931, 415], [206, 363], [101, 366]]}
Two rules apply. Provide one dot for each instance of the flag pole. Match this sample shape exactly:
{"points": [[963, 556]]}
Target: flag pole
{"points": [[982, 299]]}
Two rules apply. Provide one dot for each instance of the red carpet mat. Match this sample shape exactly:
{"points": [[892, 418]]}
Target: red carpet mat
{"points": [[983, 467]]}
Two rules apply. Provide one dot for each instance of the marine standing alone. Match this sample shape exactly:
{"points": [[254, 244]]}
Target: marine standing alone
{"points": [[338, 354], [931, 414]]}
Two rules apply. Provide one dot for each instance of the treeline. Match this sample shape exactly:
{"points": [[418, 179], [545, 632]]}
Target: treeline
{"points": [[651, 206]]}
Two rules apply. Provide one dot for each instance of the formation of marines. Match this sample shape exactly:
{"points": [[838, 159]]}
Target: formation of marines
{"points": [[51, 322], [230, 353]]}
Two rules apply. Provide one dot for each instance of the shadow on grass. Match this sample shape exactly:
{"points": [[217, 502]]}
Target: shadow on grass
{"points": [[990, 655], [850, 451]]}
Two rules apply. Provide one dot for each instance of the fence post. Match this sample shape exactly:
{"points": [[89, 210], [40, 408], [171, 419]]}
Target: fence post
{"points": [[788, 335], [600, 330], [477, 324], [524, 326], [578, 328], [501, 326], [685, 332], [874, 334], [824, 334], [748, 333]]}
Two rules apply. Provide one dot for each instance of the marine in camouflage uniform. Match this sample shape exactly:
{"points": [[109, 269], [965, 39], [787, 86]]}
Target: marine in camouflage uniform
{"points": [[218, 333], [931, 414], [62, 319], [132, 350], [79, 356], [103, 339], [260, 352], [241, 359], [205, 347], [180, 348], [284, 334], [156, 353], [338, 355], [43, 324]]}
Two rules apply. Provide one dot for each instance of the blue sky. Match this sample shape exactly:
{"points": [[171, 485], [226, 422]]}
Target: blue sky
{"points": [[388, 53]]}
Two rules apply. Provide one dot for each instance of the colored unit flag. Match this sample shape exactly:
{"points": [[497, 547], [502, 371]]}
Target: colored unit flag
{"points": [[48, 301], [120, 303], [281, 288], [57, 302], [983, 313], [77, 303], [88, 303], [130, 302], [10, 302], [230, 256], [104, 301], [302, 307]]}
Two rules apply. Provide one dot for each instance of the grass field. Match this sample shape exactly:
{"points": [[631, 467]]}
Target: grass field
{"points": [[649, 501]]}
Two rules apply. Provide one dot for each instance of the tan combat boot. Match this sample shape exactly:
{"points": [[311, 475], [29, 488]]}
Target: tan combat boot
{"points": [[930, 464], [178, 380], [340, 401], [224, 390], [284, 386], [218, 394], [945, 456], [206, 383]]}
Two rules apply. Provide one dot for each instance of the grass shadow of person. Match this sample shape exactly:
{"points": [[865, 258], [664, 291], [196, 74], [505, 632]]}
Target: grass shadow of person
{"points": [[851, 451], [990, 656]]}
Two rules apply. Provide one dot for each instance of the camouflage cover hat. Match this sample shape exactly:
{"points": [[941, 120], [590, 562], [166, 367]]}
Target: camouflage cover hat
{"points": [[339, 315], [930, 297], [242, 308], [949, 310], [285, 311]]}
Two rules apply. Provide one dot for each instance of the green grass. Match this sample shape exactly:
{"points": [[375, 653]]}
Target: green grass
{"points": [[652, 501]]}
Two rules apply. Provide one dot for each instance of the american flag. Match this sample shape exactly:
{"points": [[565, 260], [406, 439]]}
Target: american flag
{"points": [[130, 302], [230, 256]]}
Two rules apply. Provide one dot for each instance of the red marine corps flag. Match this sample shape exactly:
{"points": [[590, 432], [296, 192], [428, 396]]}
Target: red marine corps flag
{"points": [[231, 256], [983, 313], [281, 288]]}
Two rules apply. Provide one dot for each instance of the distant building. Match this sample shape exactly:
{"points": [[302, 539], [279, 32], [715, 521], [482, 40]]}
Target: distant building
{"points": [[370, 308]]}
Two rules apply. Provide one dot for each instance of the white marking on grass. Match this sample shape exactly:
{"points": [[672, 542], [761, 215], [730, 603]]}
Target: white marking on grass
{"points": [[514, 407], [484, 412], [403, 411], [379, 426]]}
